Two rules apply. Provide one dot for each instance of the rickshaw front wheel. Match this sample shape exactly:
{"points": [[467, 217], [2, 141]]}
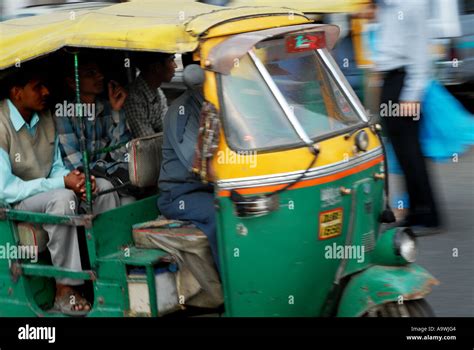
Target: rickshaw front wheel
{"points": [[409, 308]]}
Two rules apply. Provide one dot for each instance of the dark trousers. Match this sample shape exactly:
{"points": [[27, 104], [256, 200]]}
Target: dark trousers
{"points": [[403, 133], [197, 207]]}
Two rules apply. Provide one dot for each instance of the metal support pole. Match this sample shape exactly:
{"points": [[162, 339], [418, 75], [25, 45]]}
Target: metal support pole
{"points": [[82, 142]]}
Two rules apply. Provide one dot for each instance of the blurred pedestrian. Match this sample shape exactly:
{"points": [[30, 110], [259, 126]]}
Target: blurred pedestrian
{"points": [[402, 56]]}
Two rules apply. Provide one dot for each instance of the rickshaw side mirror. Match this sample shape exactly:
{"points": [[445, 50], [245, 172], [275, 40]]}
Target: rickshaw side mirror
{"points": [[193, 76]]}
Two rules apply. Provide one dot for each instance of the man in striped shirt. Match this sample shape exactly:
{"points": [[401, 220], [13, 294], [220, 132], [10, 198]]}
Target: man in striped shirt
{"points": [[105, 125], [146, 104]]}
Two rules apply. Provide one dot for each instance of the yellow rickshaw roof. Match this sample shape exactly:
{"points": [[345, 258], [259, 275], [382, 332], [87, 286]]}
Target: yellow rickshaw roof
{"points": [[308, 6], [145, 25]]}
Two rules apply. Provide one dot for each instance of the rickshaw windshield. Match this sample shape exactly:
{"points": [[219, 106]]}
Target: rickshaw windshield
{"points": [[254, 115]]}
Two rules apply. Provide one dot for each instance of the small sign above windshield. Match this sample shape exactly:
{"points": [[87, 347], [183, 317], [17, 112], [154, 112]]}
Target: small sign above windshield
{"points": [[305, 42]]}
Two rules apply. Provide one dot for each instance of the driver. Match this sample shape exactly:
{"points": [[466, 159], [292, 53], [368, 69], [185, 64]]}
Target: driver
{"points": [[183, 195]]}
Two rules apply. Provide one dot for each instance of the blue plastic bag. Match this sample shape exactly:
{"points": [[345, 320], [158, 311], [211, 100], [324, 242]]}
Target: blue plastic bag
{"points": [[447, 128]]}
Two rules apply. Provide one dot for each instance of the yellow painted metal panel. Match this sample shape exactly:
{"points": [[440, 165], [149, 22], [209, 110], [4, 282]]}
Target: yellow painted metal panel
{"points": [[333, 150]]}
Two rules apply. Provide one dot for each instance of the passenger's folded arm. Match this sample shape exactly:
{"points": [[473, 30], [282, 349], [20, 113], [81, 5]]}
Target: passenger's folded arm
{"points": [[58, 169], [13, 189]]}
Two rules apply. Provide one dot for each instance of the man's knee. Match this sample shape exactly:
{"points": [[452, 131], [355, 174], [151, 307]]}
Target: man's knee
{"points": [[103, 184], [62, 201], [106, 201]]}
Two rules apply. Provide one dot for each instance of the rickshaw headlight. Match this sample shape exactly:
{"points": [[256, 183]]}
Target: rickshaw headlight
{"points": [[405, 244], [255, 206], [362, 140]]}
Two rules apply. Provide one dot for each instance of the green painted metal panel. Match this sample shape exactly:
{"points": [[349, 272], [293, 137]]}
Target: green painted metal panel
{"points": [[368, 195], [15, 296], [43, 289], [41, 218], [53, 271], [110, 270], [385, 252], [113, 229], [381, 284], [110, 299], [6, 237], [137, 256], [279, 266]]}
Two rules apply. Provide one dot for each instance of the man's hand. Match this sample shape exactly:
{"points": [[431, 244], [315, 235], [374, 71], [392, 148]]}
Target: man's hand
{"points": [[74, 181], [83, 188], [117, 95]]}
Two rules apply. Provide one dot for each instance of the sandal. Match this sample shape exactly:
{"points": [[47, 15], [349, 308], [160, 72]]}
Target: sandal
{"points": [[63, 304]]}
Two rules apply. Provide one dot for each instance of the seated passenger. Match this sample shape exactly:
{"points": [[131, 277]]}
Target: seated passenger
{"points": [[33, 177], [183, 196], [105, 124], [146, 104]]}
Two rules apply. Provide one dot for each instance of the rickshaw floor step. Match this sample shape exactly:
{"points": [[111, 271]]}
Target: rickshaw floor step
{"points": [[137, 256]]}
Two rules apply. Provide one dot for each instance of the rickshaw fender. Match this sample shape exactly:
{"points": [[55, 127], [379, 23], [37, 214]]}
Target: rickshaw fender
{"points": [[382, 284]]}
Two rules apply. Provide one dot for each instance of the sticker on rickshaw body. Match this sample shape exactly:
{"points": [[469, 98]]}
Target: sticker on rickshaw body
{"points": [[330, 223], [305, 42]]}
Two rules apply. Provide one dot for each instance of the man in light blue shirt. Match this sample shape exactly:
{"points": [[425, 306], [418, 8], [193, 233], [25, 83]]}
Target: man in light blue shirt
{"points": [[33, 177], [12, 189]]}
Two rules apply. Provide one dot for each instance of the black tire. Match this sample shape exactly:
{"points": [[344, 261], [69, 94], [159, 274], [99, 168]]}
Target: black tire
{"points": [[410, 308]]}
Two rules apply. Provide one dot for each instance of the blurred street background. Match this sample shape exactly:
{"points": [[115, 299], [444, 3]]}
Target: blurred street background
{"points": [[449, 256]]}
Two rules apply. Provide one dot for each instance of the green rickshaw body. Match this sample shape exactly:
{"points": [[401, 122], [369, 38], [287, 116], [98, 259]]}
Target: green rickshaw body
{"points": [[277, 266]]}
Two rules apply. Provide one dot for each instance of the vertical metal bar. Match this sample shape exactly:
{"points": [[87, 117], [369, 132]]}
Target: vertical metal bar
{"points": [[150, 276], [340, 81], [82, 143], [90, 239]]}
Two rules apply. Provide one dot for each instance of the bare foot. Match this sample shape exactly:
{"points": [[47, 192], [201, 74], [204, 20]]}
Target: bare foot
{"points": [[68, 299]]}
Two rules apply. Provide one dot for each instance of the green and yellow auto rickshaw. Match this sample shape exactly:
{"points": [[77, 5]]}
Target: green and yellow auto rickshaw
{"points": [[297, 167]]}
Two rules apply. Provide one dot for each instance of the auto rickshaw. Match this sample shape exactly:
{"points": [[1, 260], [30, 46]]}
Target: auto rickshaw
{"points": [[297, 167]]}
